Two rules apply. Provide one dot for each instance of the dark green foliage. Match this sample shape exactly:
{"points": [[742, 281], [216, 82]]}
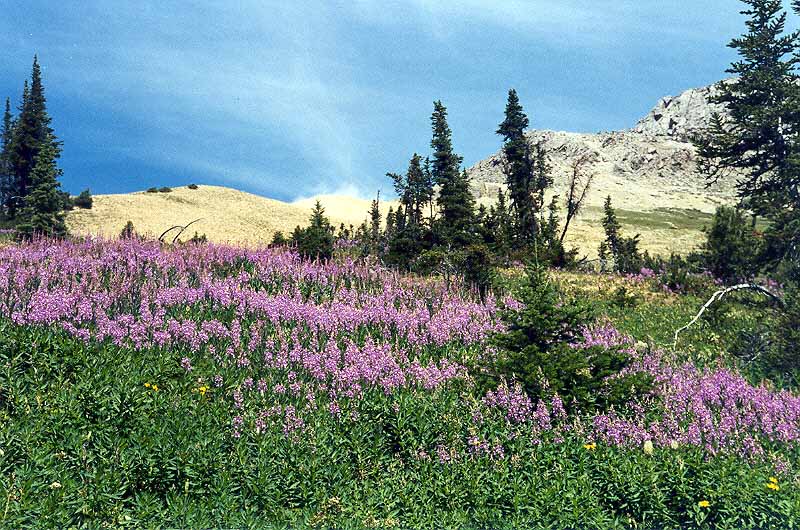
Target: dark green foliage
{"points": [[316, 240], [410, 233], [784, 358], [759, 138], [128, 231], [456, 226], [6, 173], [43, 214], [84, 200], [278, 239], [164, 189], [732, 248], [527, 172], [32, 132], [375, 241], [623, 250], [536, 350], [623, 298], [152, 190], [477, 268], [198, 238], [193, 186]]}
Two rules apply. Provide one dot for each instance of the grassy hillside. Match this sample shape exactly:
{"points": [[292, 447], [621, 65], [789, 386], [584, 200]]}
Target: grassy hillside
{"points": [[228, 215]]}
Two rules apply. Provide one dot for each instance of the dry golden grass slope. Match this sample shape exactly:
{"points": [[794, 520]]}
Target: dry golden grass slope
{"points": [[226, 215], [231, 216]]}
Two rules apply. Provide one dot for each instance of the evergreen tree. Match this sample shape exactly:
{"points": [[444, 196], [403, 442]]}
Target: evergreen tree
{"points": [[316, 240], [5, 166], [375, 226], [526, 169], [43, 211], [32, 133], [456, 203], [624, 250], [731, 248], [759, 139]]}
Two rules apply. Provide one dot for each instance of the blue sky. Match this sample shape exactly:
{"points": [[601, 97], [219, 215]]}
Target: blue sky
{"points": [[289, 100]]}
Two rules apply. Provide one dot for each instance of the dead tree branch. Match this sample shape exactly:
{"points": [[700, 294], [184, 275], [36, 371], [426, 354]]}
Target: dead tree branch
{"points": [[181, 229], [716, 297]]}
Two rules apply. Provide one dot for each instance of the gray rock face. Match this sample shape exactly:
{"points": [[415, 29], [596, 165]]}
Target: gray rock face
{"points": [[682, 116], [652, 165]]}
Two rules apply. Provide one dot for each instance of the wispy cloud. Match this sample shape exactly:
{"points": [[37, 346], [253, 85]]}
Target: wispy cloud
{"points": [[290, 98]]}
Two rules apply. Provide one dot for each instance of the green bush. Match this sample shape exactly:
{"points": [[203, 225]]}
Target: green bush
{"points": [[152, 190], [538, 351], [165, 189], [193, 186], [84, 200]]}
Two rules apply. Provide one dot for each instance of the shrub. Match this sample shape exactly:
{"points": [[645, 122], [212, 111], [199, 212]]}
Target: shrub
{"points": [[198, 238], [732, 248], [541, 350], [128, 231], [278, 239], [193, 186], [152, 190], [84, 200], [165, 189]]}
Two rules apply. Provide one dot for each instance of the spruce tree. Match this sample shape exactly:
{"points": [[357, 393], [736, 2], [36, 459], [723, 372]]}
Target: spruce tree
{"points": [[32, 132], [757, 139], [5, 166], [455, 229], [43, 214], [526, 169]]}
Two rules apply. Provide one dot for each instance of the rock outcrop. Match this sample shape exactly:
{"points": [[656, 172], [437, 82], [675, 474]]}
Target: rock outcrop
{"points": [[653, 165]]}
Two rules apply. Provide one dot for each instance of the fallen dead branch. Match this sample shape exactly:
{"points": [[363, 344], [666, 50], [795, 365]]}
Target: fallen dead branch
{"points": [[716, 297]]}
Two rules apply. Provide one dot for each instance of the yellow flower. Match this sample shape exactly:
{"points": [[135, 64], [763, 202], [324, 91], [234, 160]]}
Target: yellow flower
{"points": [[590, 447], [704, 504], [155, 387], [774, 480], [147, 385], [648, 447], [773, 486], [203, 389]]}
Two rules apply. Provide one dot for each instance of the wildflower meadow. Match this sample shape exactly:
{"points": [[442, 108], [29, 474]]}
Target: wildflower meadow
{"points": [[203, 385]]}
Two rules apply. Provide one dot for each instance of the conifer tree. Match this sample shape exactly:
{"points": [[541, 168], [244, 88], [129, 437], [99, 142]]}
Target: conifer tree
{"points": [[624, 250], [526, 169], [456, 203], [5, 166], [43, 214], [758, 138], [32, 132], [316, 240]]}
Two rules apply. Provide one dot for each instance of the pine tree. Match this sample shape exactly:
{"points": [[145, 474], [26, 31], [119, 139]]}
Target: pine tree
{"points": [[624, 250], [526, 169], [5, 166], [758, 139], [375, 226], [456, 203], [32, 132], [43, 214], [316, 240]]}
